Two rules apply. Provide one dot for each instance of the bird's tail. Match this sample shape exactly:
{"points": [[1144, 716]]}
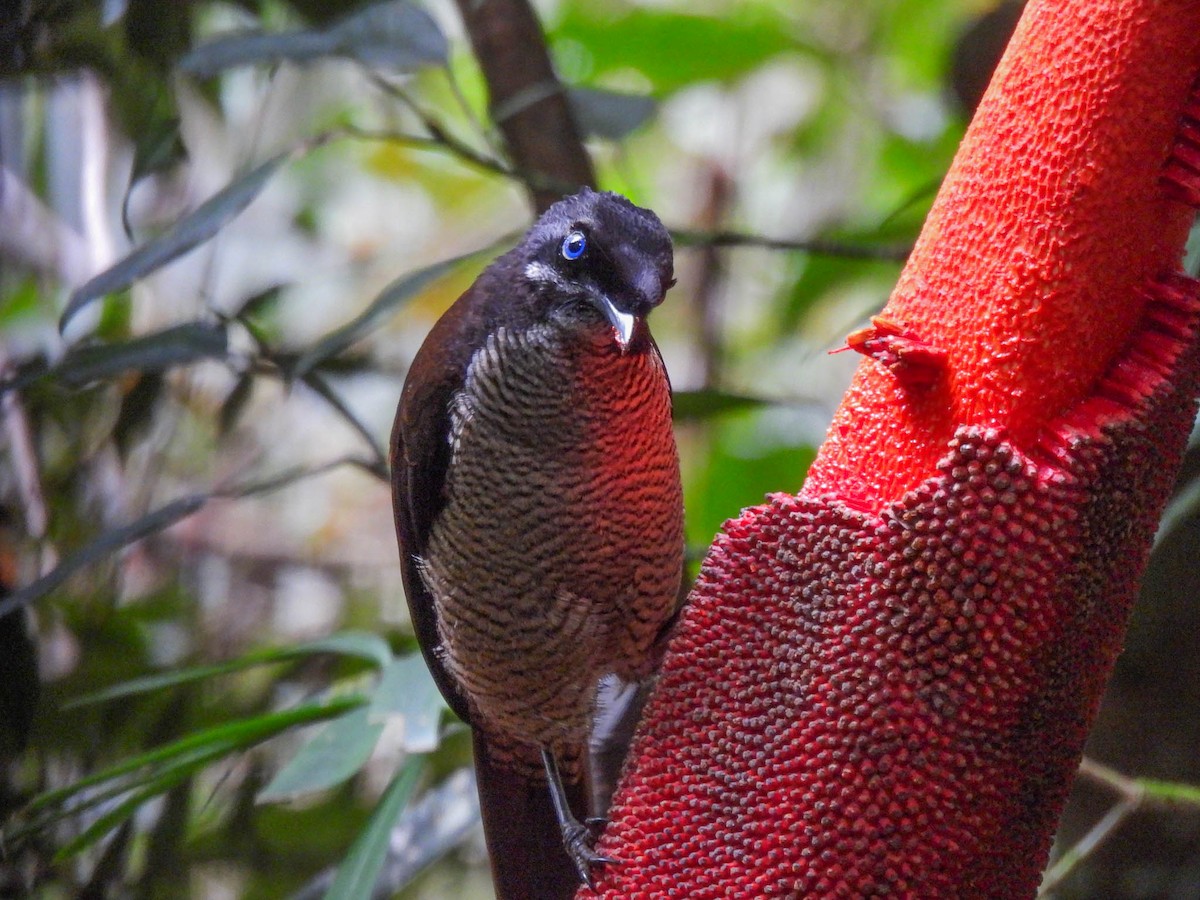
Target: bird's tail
{"points": [[523, 836]]}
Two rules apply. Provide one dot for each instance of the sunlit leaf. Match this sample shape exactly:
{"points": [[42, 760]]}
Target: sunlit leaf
{"points": [[332, 755], [676, 49], [357, 874], [398, 36], [609, 114], [406, 691], [259, 304], [189, 232]]}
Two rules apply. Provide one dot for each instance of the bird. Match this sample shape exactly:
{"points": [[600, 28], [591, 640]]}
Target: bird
{"points": [[539, 514]]}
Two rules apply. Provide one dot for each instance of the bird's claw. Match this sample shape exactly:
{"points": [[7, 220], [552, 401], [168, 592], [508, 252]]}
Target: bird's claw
{"points": [[578, 841]]}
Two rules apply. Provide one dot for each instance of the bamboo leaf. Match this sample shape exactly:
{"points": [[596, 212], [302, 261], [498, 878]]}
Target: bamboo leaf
{"points": [[233, 404], [338, 750], [357, 644], [111, 541], [609, 114], [102, 547], [389, 300], [175, 346], [186, 234], [407, 692], [398, 36], [225, 738], [359, 871]]}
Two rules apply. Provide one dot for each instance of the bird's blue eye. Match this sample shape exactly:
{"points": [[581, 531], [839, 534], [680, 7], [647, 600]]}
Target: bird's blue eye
{"points": [[573, 245]]}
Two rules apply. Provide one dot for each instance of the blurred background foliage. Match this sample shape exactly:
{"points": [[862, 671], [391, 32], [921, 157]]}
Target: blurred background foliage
{"points": [[225, 228]]}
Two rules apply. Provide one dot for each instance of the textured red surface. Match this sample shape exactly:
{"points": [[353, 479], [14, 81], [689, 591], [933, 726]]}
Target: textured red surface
{"points": [[1052, 216], [882, 685], [861, 705]]}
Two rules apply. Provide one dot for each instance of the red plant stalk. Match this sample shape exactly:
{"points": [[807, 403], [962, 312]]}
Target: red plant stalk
{"points": [[883, 684]]}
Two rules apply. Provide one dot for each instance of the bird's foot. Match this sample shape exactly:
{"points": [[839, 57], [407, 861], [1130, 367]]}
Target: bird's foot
{"points": [[578, 840]]}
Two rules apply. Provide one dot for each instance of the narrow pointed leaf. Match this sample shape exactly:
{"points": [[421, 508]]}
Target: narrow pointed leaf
{"points": [[609, 114], [358, 644], [234, 403], [186, 234], [102, 547], [398, 36], [359, 871], [332, 755], [230, 736], [175, 346], [389, 300], [407, 692]]}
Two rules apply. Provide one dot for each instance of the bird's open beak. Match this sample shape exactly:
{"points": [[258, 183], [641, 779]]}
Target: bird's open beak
{"points": [[623, 323]]}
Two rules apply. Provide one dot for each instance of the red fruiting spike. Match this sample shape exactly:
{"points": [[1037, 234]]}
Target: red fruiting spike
{"points": [[861, 704], [1181, 173], [914, 361]]}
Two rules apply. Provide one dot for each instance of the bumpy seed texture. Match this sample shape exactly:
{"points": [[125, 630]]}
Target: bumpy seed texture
{"points": [[866, 706]]}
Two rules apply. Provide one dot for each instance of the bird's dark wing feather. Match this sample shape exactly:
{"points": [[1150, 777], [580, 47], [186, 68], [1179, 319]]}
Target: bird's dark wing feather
{"points": [[420, 456]]}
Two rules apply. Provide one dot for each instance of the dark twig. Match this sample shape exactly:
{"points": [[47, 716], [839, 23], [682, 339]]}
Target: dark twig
{"points": [[1134, 794], [816, 246]]}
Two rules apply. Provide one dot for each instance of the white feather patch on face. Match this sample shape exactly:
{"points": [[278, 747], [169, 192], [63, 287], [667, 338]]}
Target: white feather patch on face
{"points": [[539, 271]]}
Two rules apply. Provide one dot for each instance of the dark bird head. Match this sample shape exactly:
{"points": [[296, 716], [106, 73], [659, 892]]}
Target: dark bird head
{"points": [[597, 252]]}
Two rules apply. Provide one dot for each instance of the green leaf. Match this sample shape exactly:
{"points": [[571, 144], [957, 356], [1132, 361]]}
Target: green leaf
{"points": [[137, 410], [1182, 507], [158, 147], [359, 871], [392, 297], [676, 49], [609, 114], [175, 346], [233, 404], [407, 691], [186, 234], [338, 750], [398, 36], [219, 740], [152, 787], [358, 644], [690, 406], [102, 547]]}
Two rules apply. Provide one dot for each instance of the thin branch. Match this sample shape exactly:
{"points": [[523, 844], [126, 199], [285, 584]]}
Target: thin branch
{"points": [[1085, 845], [815, 246], [1134, 794]]}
